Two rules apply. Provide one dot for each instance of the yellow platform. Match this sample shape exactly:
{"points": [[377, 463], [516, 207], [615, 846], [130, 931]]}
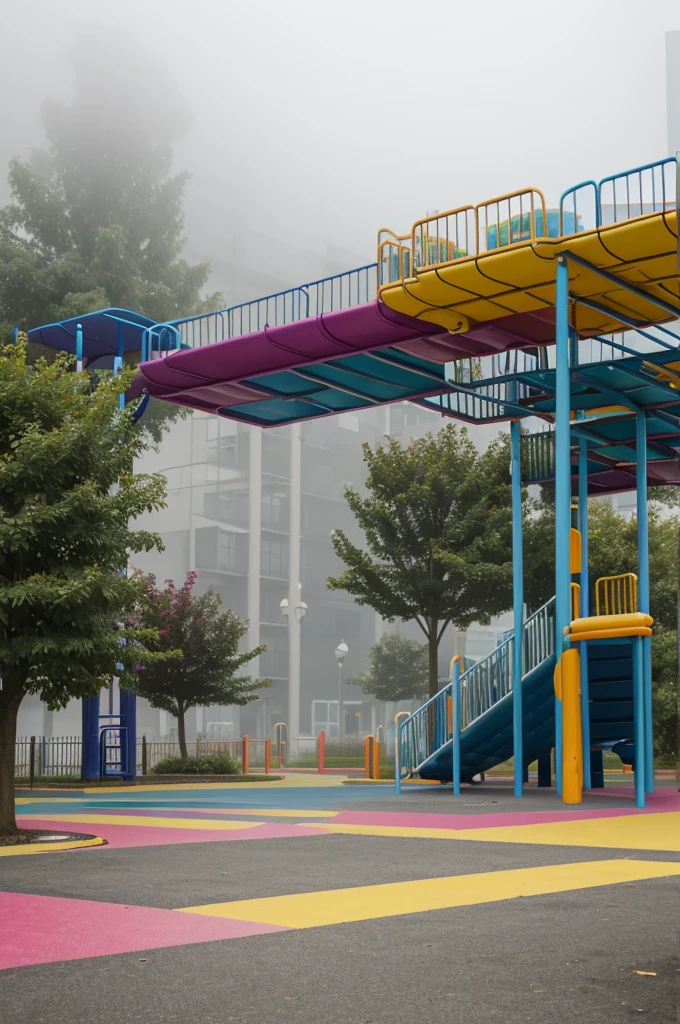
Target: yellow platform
{"points": [[520, 278]]}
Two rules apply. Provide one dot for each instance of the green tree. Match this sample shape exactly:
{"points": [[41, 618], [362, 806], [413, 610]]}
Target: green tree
{"points": [[437, 528], [67, 497], [96, 219], [398, 669], [209, 639]]}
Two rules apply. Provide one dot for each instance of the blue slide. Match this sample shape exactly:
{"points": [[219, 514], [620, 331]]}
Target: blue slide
{"points": [[488, 740]]}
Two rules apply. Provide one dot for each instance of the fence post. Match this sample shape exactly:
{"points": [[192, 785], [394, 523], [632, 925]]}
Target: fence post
{"points": [[245, 758], [198, 747], [144, 760], [267, 755], [31, 766], [321, 753]]}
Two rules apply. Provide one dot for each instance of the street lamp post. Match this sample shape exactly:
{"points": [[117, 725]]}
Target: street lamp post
{"points": [[294, 620], [340, 654]]}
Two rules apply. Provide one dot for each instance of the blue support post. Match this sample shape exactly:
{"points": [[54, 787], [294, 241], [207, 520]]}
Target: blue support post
{"points": [[128, 718], [585, 604], [457, 714], [596, 762], [90, 717], [562, 486], [118, 361], [643, 590], [639, 720], [518, 607], [544, 771], [79, 348]]}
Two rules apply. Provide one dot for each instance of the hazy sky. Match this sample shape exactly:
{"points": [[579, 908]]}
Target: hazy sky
{"points": [[318, 122]]}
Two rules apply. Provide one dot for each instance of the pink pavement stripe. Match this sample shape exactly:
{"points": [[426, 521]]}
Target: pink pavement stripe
{"points": [[481, 821], [44, 929], [122, 836]]}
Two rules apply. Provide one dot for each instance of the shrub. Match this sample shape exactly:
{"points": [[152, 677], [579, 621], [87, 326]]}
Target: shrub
{"points": [[210, 764]]}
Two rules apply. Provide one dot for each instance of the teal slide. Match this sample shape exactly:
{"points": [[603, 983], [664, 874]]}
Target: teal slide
{"points": [[488, 740]]}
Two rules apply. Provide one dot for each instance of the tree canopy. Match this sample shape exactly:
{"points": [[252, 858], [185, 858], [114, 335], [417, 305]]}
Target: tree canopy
{"points": [[436, 520], [95, 219], [208, 670], [398, 669], [67, 500]]}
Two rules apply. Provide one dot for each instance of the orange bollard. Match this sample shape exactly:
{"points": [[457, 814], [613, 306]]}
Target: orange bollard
{"points": [[245, 755], [321, 752], [267, 756]]}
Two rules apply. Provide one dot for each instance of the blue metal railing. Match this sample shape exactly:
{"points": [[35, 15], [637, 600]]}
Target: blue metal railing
{"points": [[340, 291], [488, 681], [650, 188]]}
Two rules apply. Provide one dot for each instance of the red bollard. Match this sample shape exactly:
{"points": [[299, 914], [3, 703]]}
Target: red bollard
{"points": [[321, 752]]}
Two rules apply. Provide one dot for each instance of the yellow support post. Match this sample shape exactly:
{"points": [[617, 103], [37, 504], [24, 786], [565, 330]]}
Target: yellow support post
{"points": [[572, 739]]}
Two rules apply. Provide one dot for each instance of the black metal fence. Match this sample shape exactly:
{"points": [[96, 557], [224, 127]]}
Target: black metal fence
{"points": [[47, 755], [41, 756]]}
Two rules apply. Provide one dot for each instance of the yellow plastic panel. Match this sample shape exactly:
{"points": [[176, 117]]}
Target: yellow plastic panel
{"points": [[574, 551], [609, 634], [632, 620]]}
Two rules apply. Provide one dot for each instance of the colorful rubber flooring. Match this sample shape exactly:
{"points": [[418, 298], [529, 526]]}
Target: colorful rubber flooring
{"points": [[49, 918]]}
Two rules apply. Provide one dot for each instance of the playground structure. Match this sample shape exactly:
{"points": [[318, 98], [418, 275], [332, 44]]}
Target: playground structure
{"points": [[503, 311]]}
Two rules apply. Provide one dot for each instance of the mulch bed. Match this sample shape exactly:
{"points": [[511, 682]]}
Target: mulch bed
{"points": [[43, 836]]}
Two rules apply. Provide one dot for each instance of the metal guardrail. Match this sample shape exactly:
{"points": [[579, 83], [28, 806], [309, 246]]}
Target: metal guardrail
{"points": [[522, 216], [616, 595], [328, 294], [421, 734]]}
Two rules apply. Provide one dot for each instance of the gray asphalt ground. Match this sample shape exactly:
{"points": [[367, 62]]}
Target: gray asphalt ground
{"points": [[552, 959]]}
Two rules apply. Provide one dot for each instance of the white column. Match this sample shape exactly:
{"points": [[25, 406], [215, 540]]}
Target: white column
{"points": [[254, 543], [294, 583]]}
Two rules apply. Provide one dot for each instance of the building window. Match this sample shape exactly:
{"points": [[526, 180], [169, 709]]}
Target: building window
{"points": [[273, 508], [226, 551], [274, 558]]}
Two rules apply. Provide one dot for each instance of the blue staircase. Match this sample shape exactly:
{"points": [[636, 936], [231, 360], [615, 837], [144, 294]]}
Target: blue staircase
{"points": [[610, 690], [425, 744]]}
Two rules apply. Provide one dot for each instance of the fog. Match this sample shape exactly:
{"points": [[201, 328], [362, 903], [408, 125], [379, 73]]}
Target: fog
{"points": [[316, 123]]}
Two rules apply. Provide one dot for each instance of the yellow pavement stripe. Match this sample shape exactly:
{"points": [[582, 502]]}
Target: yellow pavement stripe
{"points": [[270, 812], [73, 844], [659, 832], [337, 906], [288, 781], [199, 824], [630, 832]]}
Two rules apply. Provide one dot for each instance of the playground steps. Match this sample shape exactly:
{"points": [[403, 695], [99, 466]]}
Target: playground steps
{"points": [[610, 691]]}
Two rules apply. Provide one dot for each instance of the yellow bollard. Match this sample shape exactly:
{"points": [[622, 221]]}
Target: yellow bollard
{"points": [[572, 740], [376, 759]]}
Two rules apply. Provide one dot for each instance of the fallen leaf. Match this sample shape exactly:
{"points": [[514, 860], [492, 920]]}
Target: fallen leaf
{"points": [[144, 960], [291, 997], [647, 974], [632, 886]]}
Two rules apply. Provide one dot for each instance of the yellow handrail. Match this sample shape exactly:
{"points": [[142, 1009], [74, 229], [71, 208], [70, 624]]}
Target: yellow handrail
{"points": [[616, 595], [575, 601]]}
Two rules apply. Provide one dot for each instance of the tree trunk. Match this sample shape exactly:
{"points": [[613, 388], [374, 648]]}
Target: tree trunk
{"points": [[433, 657], [9, 709], [181, 733]]}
